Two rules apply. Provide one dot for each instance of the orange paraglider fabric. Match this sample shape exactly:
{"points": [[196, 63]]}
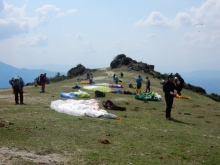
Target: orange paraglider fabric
{"points": [[181, 97]]}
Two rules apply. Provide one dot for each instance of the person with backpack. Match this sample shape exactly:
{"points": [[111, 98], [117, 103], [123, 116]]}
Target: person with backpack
{"points": [[139, 84], [17, 84], [43, 79], [168, 89], [116, 80], [179, 82], [147, 85]]}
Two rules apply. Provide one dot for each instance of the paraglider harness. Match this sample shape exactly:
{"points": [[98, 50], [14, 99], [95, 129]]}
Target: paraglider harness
{"points": [[108, 104]]}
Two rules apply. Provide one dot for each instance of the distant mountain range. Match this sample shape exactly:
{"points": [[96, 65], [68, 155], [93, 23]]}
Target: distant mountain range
{"points": [[28, 75], [207, 79]]}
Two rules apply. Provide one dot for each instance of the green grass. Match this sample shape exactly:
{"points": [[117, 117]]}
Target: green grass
{"points": [[143, 136]]}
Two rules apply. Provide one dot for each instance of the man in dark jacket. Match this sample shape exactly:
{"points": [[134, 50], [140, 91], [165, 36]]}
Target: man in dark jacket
{"points": [[17, 84], [168, 89], [43, 79]]}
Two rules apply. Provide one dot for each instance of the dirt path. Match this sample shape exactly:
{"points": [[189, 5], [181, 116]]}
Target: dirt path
{"points": [[10, 156]]}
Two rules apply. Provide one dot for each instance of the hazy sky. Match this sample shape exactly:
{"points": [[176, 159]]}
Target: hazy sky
{"points": [[57, 35]]}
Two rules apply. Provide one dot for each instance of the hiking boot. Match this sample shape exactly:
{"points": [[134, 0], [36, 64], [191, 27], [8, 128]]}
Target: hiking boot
{"points": [[23, 103], [17, 103], [169, 118]]}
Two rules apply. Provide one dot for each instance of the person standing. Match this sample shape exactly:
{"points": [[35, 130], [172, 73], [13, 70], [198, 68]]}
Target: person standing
{"points": [[43, 79], [147, 85], [139, 84], [17, 84], [122, 75], [168, 89], [87, 76], [90, 78], [114, 77], [116, 80]]}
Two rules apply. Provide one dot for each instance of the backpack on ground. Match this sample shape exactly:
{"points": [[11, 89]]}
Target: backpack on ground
{"points": [[128, 92], [99, 93], [108, 104]]}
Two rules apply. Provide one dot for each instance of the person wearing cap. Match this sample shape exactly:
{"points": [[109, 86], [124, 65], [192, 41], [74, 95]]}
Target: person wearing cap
{"points": [[147, 85], [168, 89], [17, 84], [139, 84]]}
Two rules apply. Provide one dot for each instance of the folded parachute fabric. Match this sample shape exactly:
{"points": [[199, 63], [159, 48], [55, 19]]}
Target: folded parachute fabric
{"points": [[81, 108], [102, 84], [79, 94], [82, 94], [151, 96], [67, 95], [84, 82], [115, 86], [109, 85], [181, 97], [100, 88]]}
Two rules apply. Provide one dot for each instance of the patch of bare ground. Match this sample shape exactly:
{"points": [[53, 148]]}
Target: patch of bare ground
{"points": [[99, 78], [120, 99], [11, 156]]}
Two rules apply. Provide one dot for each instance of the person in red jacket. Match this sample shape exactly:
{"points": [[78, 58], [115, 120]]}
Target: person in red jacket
{"points": [[43, 81]]}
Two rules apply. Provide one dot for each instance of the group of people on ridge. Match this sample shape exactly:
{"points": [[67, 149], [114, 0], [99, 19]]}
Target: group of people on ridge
{"points": [[116, 79], [18, 84], [172, 83], [139, 81]]}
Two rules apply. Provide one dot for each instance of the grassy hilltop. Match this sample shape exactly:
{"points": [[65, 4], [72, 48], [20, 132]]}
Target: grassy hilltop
{"points": [[36, 134]]}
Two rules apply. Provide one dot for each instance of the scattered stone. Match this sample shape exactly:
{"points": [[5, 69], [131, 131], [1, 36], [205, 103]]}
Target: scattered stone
{"points": [[200, 117], [2, 125], [104, 141]]}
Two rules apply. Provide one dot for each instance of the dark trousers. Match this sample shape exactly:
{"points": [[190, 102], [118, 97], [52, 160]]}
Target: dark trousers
{"points": [[169, 102], [147, 88], [16, 92]]}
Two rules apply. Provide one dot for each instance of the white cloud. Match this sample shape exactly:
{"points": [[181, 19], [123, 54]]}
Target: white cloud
{"points": [[47, 10], [208, 14], [13, 20], [79, 36], [201, 39], [155, 18], [71, 11], [182, 19], [39, 40], [151, 35]]}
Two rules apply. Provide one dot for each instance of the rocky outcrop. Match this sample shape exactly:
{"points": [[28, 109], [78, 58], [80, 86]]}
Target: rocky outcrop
{"points": [[78, 70], [122, 60]]}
